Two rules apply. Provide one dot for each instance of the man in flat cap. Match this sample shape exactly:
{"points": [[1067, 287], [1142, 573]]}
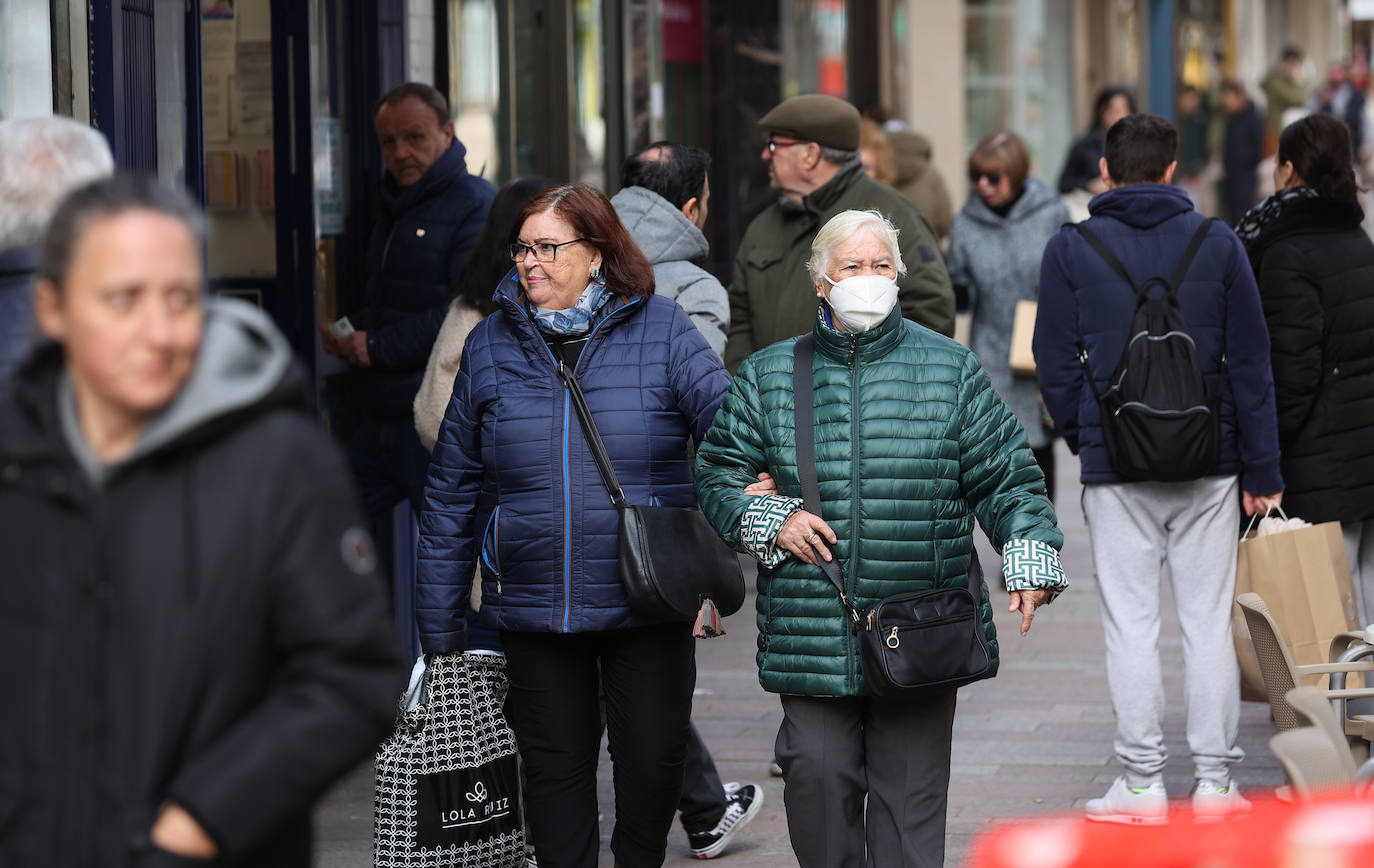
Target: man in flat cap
{"points": [[813, 163]]}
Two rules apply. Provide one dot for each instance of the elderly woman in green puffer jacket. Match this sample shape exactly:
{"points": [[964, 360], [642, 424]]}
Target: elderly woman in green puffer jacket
{"points": [[912, 443]]}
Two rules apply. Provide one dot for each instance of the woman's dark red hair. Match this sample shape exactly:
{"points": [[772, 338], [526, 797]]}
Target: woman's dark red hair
{"points": [[591, 216]]}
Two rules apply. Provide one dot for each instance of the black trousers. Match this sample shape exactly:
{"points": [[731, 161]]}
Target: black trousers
{"points": [[647, 675], [703, 794]]}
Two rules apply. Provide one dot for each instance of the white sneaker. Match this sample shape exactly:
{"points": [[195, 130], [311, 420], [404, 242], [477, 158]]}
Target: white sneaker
{"points": [[1137, 807], [1212, 803]]}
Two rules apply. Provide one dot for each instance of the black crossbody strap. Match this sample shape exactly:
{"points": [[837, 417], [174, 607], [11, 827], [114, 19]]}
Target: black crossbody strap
{"points": [[1107, 255], [804, 404], [804, 401], [593, 437], [1189, 254]]}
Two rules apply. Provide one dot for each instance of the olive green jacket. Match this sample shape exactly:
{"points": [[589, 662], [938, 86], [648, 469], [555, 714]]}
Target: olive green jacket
{"points": [[912, 442], [771, 295]]}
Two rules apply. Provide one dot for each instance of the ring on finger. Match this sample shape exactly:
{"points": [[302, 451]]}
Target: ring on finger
{"points": [[811, 535]]}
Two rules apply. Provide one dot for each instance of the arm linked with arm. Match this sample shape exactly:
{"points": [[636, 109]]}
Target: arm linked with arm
{"points": [[731, 457], [698, 379]]}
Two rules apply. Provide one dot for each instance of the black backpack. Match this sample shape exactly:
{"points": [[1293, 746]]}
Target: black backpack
{"points": [[1159, 420]]}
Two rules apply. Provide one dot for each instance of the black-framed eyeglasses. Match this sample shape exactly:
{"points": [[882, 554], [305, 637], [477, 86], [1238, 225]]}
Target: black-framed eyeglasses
{"points": [[994, 178], [773, 144], [543, 250]]}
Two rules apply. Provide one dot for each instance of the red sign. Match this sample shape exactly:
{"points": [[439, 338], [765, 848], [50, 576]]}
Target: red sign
{"points": [[682, 31]]}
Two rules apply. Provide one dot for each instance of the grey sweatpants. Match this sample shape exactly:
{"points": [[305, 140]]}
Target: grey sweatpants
{"points": [[866, 779], [1136, 528], [1359, 547]]}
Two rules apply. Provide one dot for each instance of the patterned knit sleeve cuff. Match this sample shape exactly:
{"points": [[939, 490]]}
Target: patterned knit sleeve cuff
{"points": [[763, 520], [1029, 564]]}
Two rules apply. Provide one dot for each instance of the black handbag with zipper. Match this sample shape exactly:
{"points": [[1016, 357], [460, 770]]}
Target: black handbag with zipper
{"points": [[673, 564], [907, 642]]}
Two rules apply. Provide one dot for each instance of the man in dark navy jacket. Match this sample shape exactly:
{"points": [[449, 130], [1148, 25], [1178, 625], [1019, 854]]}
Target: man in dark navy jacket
{"points": [[1137, 527], [431, 214]]}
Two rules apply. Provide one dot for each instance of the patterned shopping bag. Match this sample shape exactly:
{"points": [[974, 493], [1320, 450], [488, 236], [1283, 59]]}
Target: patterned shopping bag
{"points": [[448, 784]]}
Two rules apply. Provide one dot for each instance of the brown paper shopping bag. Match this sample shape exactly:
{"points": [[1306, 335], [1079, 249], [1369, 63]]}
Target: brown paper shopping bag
{"points": [[1304, 577], [1022, 359]]}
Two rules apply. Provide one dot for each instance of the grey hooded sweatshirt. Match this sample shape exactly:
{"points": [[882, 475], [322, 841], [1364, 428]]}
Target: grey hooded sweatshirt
{"points": [[673, 244]]}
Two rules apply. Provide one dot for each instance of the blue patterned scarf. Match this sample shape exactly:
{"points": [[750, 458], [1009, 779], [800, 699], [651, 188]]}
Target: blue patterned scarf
{"points": [[576, 320]]}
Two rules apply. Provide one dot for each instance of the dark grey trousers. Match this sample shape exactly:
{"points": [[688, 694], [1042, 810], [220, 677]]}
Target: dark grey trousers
{"points": [[835, 752], [703, 795]]}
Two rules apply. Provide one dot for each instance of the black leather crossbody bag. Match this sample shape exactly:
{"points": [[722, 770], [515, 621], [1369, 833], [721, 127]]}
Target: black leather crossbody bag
{"points": [[671, 559], [907, 642]]}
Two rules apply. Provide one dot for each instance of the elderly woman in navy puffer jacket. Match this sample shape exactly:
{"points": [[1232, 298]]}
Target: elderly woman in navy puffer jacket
{"points": [[513, 487]]}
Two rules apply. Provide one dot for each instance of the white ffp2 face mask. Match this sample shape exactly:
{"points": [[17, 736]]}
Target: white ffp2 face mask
{"points": [[862, 301]]}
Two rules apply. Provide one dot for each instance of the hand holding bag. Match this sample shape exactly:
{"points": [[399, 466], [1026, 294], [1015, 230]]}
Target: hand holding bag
{"points": [[447, 780], [1303, 574], [907, 642], [672, 563]]}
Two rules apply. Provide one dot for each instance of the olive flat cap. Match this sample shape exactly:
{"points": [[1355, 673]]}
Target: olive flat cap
{"points": [[815, 117]]}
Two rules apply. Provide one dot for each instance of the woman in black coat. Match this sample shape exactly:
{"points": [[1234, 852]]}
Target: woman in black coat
{"points": [[1081, 166], [1315, 268], [194, 642]]}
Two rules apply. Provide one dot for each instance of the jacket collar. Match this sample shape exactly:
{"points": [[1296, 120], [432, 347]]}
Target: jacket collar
{"points": [[447, 170], [1033, 197], [849, 348], [822, 199], [1308, 216], [510, 298], [1141, 206]]}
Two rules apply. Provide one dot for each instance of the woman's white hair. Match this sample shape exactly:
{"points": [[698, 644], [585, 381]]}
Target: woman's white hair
{"points": [[841, 228], [41, 161]]}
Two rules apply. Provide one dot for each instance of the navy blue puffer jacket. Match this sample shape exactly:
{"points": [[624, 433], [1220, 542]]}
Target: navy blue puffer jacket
{"points": [[1084, 303], [418, 246], [512, 484]]}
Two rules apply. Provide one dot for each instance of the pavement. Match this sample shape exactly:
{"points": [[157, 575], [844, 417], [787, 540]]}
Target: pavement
{"points": [[1037, 739]]}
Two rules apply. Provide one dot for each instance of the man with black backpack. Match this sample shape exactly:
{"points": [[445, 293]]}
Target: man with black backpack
{"points": [[1153, 360]]}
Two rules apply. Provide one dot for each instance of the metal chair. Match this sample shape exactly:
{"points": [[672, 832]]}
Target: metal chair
{"points": [[1281, 674], [1311, 762]]}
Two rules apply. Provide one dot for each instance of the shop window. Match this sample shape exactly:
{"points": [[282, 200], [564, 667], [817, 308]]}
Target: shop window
{"points": [[815, 34], [1018, 65], [420, 41], [240, 190], [474, 85], [589, 116], [26, 77]]}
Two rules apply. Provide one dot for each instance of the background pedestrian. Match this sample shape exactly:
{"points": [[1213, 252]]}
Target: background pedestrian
{"points": [[994, 251], [513, 487], [1315, 268], [201, 644], [41, 161], [866, 778]]}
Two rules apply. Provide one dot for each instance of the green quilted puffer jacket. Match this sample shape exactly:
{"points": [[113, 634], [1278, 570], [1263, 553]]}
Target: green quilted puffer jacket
{"points": [[912, 442]]}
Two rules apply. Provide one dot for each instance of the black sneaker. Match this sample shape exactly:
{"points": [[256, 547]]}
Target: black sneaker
{"points": [[741, 805]]}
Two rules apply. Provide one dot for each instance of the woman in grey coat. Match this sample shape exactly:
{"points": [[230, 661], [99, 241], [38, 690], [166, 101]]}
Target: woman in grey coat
{"points": [[994, 252]]}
